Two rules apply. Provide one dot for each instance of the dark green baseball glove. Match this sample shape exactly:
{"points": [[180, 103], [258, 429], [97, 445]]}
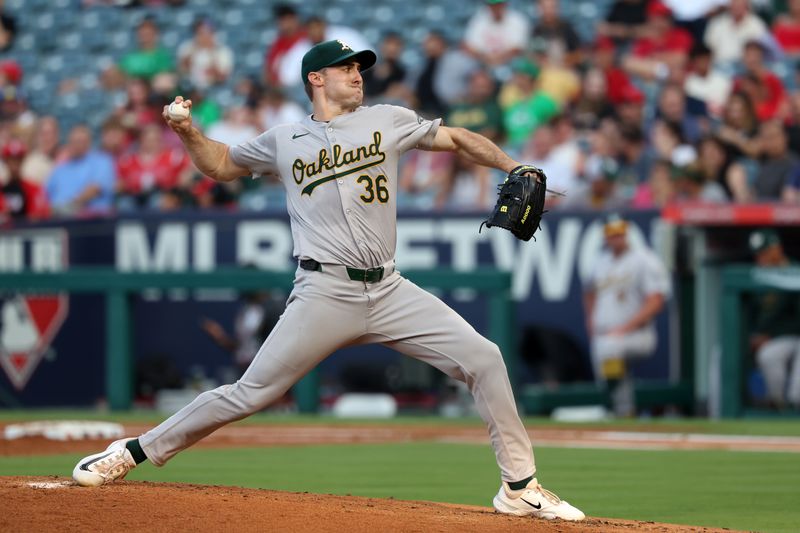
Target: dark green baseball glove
{"points": [[520, 204]]}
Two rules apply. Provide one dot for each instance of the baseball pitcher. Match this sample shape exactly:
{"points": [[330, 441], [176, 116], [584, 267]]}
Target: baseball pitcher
{"points": [[339, 166]]}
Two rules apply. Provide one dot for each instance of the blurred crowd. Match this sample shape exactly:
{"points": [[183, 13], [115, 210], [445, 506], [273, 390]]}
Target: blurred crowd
{"points": [[668, 101]]}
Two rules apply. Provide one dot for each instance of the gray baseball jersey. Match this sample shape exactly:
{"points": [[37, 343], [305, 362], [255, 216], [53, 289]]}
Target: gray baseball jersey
{"points": [[341, 183], [621, 285], [341, 179]]}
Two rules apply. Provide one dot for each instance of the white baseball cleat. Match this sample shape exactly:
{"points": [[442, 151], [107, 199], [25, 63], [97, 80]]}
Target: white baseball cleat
{"points": [[104, 467], [536, 501]]}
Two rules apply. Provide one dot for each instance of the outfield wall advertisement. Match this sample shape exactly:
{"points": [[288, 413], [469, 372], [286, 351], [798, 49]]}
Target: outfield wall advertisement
{"points": [[51, 345]]}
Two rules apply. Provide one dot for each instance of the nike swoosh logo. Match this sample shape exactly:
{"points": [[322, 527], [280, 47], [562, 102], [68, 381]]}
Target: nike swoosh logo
{"points": [[85, 466], [537, 506], [296, 135]]}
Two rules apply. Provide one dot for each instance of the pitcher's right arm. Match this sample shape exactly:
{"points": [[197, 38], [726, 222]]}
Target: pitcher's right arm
{"points": [[212, 158]]}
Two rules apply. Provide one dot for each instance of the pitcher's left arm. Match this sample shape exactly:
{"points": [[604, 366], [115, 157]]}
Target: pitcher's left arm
{"points": [[473, 146]]}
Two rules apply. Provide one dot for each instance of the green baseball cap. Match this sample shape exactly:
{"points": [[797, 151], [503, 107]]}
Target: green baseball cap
{"points": [[762, 239], [689, 172], [525, 66], [329, 53]]}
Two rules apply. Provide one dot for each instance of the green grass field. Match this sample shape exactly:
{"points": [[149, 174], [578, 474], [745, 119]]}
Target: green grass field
{"points": [[739, 490], [777, 426]]}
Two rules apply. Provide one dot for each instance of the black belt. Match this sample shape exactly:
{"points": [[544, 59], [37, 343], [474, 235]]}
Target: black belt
{"points": [[370, 275]]}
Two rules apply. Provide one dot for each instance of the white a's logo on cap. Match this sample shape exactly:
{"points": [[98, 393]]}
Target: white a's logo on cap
{"points": [[345, 46]]}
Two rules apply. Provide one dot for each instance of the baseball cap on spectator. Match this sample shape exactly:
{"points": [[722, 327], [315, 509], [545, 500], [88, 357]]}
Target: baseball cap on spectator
{"points": [[284, 10], [632, 95], [495, 1], [604, 44], [769, 49], [762, 239], [12, 71], [683, 155], [330, 53], [14, 149], [525, 66], [656, 8], [690, 172]]}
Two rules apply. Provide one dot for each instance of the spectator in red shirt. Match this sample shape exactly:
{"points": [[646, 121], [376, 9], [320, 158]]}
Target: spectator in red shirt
{"points": [[764, 88], [11, 72], [290, 32], [20, 198], [150, 170], [661, 52], [617, 80], [786, 29], [630, 112]]}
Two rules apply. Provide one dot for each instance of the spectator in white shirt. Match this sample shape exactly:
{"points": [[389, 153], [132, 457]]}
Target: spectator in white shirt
{"points": [[694, 16], [202, 60], [235, 128], [496, 34], [561, 173], [728, 32], [704, 84], [275, 109]]}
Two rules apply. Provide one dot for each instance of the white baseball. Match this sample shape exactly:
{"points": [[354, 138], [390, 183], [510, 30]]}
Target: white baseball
{"points": [[177, 111]]}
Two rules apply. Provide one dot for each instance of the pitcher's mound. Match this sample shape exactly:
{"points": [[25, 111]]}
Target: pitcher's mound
{"points": [[56, 504]]}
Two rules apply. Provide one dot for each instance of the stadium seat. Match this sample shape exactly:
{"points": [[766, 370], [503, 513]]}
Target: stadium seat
{"points": [[253, 62], [171, 38], [335, 15], [93, 35], [185, 19], [120, 41], [71, 41], [785, 70], [234, 18], [435, 14], [91, 20]]}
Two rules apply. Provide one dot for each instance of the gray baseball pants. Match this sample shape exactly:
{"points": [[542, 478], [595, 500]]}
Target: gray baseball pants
{"points": [[327, 311], [779, 361], [636, 345]]}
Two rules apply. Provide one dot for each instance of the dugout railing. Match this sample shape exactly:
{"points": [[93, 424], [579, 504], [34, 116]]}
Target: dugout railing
{"points": [[118, 288], [736, 282]]}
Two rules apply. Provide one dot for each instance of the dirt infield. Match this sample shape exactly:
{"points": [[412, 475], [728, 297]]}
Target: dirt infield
{"points": [[55, 504]]}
